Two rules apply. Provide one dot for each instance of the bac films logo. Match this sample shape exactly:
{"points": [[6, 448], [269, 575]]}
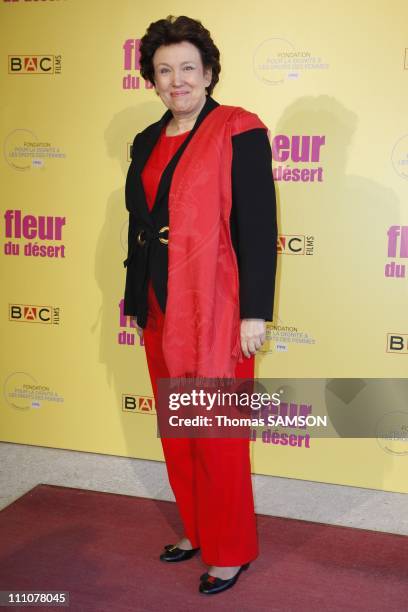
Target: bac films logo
{"points": [[293, 244], [30, 313], [138, 403], [34, 64], [397, 343]]}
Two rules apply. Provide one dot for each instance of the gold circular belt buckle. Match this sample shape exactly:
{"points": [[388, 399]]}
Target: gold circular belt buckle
{"points": [[165, 228], [139, 238]]}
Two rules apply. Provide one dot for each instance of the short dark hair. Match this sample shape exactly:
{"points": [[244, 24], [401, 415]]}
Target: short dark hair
{"points": [[174, 30]]}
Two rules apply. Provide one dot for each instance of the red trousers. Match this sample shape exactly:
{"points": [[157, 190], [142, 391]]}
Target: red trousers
{"points": [[210, 477]]}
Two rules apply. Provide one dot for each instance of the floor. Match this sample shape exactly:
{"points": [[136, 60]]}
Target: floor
{"points": [[22, 467]]}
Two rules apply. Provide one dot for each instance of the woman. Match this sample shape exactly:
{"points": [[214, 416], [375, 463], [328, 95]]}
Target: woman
{"points": [[200, 276]]}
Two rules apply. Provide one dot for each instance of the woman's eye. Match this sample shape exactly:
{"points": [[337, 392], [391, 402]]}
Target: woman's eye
{"points": [[189, 67]]}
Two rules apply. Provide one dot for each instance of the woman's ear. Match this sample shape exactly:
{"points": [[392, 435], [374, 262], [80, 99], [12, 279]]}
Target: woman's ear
{"points": [[208, 75]]}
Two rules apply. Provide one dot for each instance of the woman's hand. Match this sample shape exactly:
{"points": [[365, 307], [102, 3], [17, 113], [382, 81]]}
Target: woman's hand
{"points": [[138, 328], [253, 335]]}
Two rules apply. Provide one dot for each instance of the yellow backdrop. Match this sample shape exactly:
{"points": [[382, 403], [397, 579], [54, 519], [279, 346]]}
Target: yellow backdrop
{"points": [[330, 81]]}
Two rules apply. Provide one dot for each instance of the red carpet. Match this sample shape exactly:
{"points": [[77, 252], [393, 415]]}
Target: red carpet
{"points": [[104, 548]]}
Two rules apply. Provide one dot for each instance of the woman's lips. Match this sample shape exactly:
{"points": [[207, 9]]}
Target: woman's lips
{"points": [[181, 93]]}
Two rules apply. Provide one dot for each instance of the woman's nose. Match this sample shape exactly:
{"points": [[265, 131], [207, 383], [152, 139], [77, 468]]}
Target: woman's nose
{"points": [[177, 77]]}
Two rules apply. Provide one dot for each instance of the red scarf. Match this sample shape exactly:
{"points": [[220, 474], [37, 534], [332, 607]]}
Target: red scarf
{"points": [[201, 336]]}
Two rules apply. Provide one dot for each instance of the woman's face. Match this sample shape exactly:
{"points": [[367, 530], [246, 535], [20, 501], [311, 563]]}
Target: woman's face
{"points": [[180, 79]]}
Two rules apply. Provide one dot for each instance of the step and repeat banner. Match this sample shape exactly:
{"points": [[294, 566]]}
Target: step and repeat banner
{"points": [[331, 83]]}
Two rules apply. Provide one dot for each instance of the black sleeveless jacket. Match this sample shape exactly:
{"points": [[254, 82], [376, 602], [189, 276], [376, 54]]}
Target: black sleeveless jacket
{"points": [[253, 221]]}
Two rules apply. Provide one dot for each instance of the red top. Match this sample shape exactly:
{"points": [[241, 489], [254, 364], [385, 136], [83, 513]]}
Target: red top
{"points": [[162, 153]]}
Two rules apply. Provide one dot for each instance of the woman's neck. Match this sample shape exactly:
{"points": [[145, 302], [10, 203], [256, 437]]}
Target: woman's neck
{"points": [[182, 123]]}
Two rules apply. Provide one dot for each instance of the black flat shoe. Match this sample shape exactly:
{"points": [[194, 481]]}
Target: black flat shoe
{"points": [[206, 574], [211, 584], [174, 554]]}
